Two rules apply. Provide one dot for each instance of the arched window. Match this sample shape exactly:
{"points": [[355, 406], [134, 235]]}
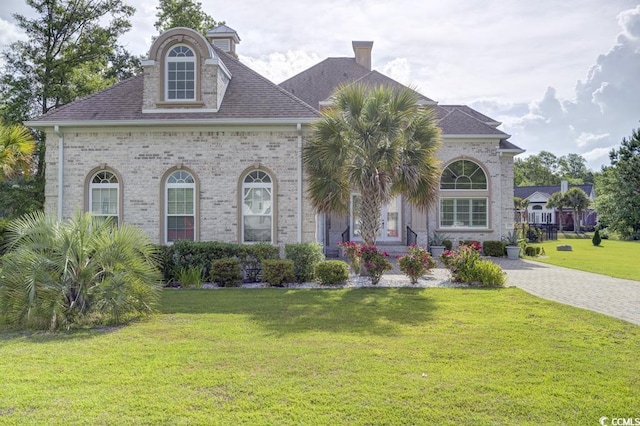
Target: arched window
{"points": [[257, 207], [104, 195], [180, 206], [180, 74], [463, 174], [464, 196]]}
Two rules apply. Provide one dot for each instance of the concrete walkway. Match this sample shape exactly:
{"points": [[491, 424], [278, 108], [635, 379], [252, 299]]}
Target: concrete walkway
{"points": [[611, 296]]}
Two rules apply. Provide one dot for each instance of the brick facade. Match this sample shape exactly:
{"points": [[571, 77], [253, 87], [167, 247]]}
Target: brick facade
{"points": [[217, 156]]}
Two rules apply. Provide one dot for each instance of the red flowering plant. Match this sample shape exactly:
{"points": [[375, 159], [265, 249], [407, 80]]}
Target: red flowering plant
{"points": [[473, 244], [415, 263], [352, 251], [461, 264], [375, 262]]}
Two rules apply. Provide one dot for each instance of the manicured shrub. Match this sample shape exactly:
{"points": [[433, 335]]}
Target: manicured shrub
{"points": [[488, 274], [330, 272], [473, 244], [604, 234], [494, 248], [251, 257], [375, 262], [190, 277], [415, 263], [226, 272], [596, 240], [533, 251], [201, 254], [448, 244], [278, 272], [305, 256]]}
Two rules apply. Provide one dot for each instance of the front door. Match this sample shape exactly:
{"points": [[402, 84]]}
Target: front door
{"points": [[390, 220]]}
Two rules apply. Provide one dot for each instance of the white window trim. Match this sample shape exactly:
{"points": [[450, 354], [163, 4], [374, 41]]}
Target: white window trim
{"points": [[454, 227], [168, 186], [115, 186], [260, 185], [169, 59]]}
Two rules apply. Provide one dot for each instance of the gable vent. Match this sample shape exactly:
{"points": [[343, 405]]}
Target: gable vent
{"points": [[223, 44]]}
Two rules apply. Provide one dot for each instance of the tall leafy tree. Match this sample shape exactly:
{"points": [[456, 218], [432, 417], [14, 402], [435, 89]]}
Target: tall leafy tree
{"points": [[546, 169], [573, 169], [65, 57], [71, 51], [183, 13], [618, 200], [378, 142]]}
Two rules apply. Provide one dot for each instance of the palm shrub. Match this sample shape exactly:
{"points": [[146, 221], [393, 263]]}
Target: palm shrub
{"points": [[81, 271], [416, 263]]}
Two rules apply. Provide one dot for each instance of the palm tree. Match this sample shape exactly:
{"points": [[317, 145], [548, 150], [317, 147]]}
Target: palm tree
{"points": [[578, 200], [83, 270], [558, 201], [16, 150], [521, 205], [379, 142]]}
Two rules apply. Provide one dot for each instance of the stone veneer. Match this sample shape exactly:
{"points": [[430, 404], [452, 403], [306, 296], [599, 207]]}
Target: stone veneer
{"points": [[216, 155]]}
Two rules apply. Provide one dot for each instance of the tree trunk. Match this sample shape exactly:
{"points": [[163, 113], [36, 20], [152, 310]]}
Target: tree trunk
{"points": [[370, 210]]}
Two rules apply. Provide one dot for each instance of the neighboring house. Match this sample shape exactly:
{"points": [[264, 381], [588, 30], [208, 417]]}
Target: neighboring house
{"points": [[200, 147], [539, 214]]}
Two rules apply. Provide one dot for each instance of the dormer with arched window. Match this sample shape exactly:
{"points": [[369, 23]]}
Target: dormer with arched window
{"points": [[184, 74]]}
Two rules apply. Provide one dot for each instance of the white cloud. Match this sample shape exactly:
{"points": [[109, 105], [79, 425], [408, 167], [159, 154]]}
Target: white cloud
{"points": [[10, 33], [603, 110], [399, 70]]}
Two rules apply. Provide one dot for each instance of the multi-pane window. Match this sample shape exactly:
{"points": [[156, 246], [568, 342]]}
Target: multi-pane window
{"points": [[180, 206], [257, 208], [103, 195], [464, 196], [181, 74], [463, 212]]}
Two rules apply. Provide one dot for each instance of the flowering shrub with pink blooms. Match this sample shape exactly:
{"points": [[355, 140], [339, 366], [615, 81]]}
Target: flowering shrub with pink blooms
{"points": [[415, 263], [473, 244], [375, 262], [466, 266], [352, 252]]}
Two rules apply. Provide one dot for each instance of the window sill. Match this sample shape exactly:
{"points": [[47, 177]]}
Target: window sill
{"points": [[180, 104], [444, 230]]}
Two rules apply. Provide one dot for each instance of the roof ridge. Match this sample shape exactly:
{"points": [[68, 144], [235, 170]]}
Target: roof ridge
{"points": [[474, 118], [263, 78], [82, 99]]}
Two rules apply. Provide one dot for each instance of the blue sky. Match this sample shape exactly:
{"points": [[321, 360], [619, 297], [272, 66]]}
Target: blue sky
{"points": [[560, 76]]}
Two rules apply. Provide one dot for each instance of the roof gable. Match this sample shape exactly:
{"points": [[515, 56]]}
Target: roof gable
{"points": [[249, 96]]}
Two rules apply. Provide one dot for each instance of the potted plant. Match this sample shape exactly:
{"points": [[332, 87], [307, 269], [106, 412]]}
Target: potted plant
{"points": [[513, 249], [436, 244]]}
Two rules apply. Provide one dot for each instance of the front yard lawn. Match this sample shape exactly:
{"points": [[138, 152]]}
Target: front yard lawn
{"points": [[613, 258], [350, 356]]}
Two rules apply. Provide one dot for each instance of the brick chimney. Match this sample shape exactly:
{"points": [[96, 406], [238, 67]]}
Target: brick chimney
{"points": [[362, 50]]}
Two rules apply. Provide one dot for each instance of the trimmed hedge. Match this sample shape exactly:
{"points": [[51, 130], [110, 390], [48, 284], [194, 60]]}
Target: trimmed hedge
{"points": [[305, 256], [201, 254], [330, 272], [277, 272], [226, 272], [494, 248]]}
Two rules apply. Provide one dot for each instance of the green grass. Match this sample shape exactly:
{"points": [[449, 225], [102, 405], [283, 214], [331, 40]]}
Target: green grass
{"points": [[351, 356], [613, 258]]}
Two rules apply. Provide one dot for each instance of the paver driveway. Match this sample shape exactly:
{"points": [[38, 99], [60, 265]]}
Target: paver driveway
{"points": [[611, 296]]}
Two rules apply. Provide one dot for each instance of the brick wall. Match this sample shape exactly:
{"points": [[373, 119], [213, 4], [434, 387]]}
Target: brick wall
{"points": [[216, 155]]}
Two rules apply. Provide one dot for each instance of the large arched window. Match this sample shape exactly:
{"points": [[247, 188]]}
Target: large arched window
{"points": [[180, 206], [464, 196], [257, 207], [180, 74], [104, 195]]}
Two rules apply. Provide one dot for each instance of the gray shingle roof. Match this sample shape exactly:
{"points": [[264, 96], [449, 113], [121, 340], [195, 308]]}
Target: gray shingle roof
{"points": [[456, 122], [527, 191], [248, 96]]}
